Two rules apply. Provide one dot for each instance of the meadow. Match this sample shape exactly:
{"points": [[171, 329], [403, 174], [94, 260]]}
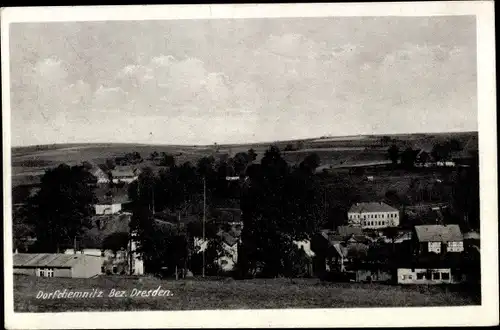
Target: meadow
{"points": [[198, 294]]}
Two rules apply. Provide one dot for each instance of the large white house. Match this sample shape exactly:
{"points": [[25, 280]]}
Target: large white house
{"points": [[373, 215]]}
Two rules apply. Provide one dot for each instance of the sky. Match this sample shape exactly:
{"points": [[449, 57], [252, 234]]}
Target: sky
{"points": [[241, 80]]}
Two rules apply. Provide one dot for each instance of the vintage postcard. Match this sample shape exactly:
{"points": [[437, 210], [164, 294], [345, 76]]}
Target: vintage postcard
{"points": [[278, 165]]}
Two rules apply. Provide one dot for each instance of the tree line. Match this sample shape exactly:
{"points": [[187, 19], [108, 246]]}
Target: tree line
{"points": [[280, 203]]}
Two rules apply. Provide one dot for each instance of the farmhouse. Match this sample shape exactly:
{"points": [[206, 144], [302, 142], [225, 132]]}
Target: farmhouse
{"points": [[230, 238], [438, 239], [98, 174], [125, 175], [335, 252], [111, 202], [57, 265], [373, 215]]}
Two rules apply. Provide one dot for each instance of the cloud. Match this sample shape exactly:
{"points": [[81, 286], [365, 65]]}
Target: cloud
{"points": [[236, 80], [183, 87]]}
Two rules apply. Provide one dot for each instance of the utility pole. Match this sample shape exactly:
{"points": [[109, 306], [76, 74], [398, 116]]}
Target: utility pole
{"points": [[153, 198], [204, 218]]}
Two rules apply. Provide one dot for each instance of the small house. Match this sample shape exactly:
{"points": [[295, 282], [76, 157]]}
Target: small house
{"points": [[100, 176], [57, 265], [123, 175], [230, 238], [111, 201], [427, 276], [438, 239]]}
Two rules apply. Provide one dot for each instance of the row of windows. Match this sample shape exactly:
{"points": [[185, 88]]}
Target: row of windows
{"points": [[374, 223], [451, 246], [374, 216], [434, 276]]}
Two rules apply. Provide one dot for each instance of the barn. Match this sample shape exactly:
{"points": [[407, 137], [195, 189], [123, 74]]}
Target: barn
{"points": [[57, 265]]}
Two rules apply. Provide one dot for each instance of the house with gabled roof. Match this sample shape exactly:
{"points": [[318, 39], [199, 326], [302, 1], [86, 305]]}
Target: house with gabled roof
{"points": [[125, 175], [119, 258], [57, 265], [438, 239], [100, 176], [373, 215], [110, 201]]}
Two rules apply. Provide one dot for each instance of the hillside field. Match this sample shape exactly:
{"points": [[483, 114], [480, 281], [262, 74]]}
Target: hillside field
{"points": [[228, 294], [29, 163]]}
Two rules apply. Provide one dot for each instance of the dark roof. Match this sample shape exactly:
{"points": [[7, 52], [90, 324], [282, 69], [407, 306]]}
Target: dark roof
{"points": [[360, 239], [371, 207], [438, 233], [103, 226], [331, 236], [123, 174], [348, 230], [107, 195], [49, 259]]}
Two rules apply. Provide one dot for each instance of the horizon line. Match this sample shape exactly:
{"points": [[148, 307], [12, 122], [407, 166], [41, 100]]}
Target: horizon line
{"points": [[245, 143]]}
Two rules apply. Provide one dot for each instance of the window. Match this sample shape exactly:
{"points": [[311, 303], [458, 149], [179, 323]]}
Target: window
{"points": [[435, 247], [445, 276], [436, 276], [420, 276], [383, 215], [49, 272], [455, 246], [102, 269], [410, 277], [375, 216], [40, 272]]}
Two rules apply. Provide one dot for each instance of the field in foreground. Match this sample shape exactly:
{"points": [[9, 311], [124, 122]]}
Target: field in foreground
{"points": [[227, 294]]}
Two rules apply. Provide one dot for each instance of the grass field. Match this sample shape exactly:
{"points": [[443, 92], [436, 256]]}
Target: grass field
{"points": [[227, 294]]}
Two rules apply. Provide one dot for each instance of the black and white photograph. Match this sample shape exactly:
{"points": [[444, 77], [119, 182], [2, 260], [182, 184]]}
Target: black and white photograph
{"points": [[322, 157]]}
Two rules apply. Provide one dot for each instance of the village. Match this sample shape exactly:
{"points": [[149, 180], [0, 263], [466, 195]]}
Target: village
{"points": [[369, 241]]}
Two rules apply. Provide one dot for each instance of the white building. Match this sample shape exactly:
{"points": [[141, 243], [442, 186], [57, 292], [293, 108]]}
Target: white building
{"points": [[127, 261], [426, 276], [373, 215], [107, 208], [126, 176]]}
